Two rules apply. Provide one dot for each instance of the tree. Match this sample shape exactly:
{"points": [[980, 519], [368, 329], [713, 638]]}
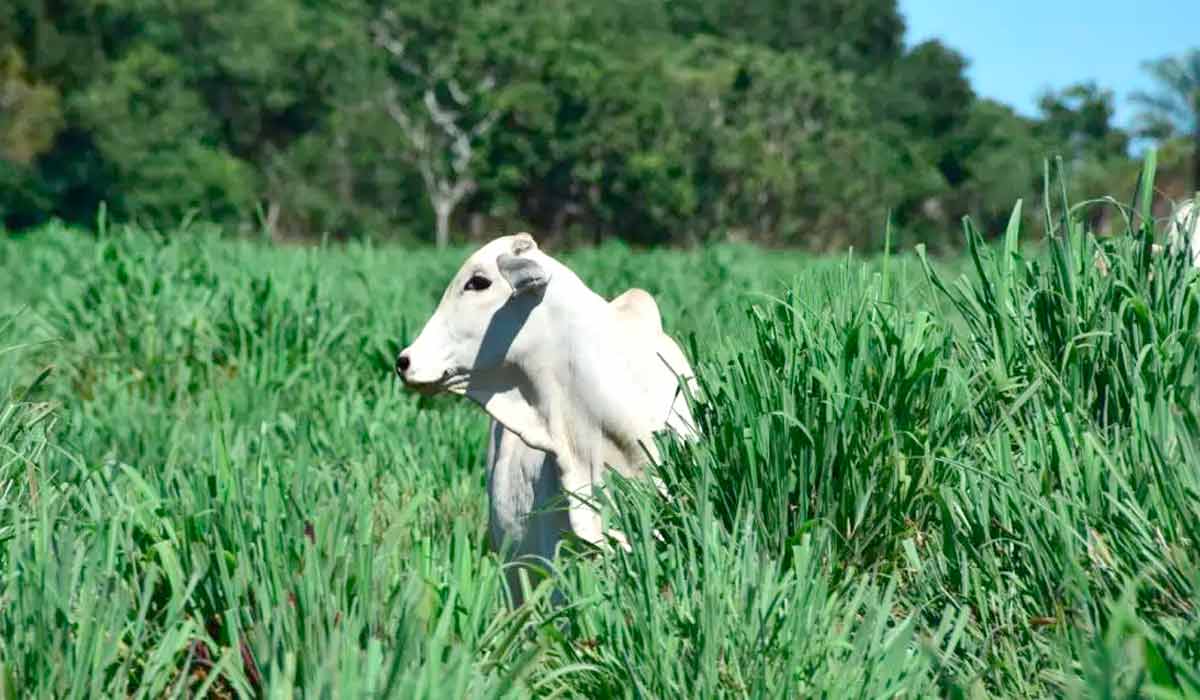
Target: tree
{"points": [[927, 93], [166, 158], [443, 118], [1004, 161], [920, 105], [30, 114], [1175, 107], [1077, 124], [1079, 120], [659, 121], [785, 149], [586, 139], [30, 119], [857, 35]]}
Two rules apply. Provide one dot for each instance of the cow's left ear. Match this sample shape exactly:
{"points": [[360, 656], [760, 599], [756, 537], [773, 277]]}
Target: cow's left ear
{"points": [[523, 243], [522, 272]]}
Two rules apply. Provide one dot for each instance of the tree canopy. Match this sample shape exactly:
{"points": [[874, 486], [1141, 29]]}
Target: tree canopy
{"points": [[804, 123], [1173, 109]]}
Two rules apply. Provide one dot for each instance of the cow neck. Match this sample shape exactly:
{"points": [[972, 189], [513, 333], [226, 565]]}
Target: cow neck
{"points": [[588, 404], [561, 398]]}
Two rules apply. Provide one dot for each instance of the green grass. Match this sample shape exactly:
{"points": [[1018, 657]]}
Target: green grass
{"points": [[914, 482]]}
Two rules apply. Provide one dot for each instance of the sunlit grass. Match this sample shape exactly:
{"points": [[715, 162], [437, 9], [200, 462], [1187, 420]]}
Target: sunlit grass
{"points": [[913, 482]]}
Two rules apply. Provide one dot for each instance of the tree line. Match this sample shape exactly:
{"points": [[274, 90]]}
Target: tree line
{"points": [[790, 122]]}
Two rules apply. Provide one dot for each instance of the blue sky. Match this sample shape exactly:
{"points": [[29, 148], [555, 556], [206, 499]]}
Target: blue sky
{"points": [[1017, 48]]}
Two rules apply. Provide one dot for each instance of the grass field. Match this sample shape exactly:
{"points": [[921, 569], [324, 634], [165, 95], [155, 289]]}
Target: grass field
{"points": [[914, 482]]}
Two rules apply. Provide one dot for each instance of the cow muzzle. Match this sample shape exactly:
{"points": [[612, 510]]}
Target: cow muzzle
{"points": [[426, 382]]}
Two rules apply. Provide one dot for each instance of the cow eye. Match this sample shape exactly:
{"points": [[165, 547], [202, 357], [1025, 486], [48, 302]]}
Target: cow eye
{"points": [[477, 284]]}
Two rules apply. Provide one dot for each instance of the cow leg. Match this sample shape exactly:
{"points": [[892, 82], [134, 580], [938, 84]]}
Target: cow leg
{"points": [[620, 538], [584, 519], [586, 522]]}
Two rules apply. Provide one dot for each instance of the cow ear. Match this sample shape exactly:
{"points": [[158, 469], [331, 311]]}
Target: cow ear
{"points": [[523, 273], [523, 243]]}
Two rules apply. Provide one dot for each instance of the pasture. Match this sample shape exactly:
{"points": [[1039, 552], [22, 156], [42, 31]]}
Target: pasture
{"points": [[968, 478]]}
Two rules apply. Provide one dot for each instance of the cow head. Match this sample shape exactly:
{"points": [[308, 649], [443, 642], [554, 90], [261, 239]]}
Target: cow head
{"points": [[477, 327]]}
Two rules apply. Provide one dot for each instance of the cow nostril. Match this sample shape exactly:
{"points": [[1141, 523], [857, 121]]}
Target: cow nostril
{"points": [[402, 363]]}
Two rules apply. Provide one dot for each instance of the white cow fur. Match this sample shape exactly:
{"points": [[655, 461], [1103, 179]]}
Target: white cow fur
{"points": [[1183, 235], [573, 384]]}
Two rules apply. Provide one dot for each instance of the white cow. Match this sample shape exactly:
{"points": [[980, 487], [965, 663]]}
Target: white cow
{"points": [[573, 384], [1183, 234]]}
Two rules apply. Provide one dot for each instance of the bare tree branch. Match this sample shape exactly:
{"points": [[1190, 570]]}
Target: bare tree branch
{"points": [[441, 137], [485, 125], [389, 42], [457, 93], [443, 118], [416, 135]]}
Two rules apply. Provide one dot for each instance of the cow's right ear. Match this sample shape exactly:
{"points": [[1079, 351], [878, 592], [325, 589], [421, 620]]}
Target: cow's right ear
{"points": [[523, 273]]}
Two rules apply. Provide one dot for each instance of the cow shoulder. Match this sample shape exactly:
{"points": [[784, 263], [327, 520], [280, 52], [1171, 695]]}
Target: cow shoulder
{"points": [[636, 308]]}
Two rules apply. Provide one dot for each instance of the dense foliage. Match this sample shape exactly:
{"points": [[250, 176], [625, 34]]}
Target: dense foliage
{"points": [[913, 482], [782, 122]]}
